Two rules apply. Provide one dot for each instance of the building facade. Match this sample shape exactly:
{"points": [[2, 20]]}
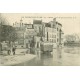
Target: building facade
{"points": [[53, 33]]}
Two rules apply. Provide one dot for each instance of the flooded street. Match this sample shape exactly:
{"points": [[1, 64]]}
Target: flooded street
{"points": [[68, 56]]}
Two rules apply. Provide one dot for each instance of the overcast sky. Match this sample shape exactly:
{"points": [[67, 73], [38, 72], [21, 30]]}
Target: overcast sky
{"points": [[70, 22]]}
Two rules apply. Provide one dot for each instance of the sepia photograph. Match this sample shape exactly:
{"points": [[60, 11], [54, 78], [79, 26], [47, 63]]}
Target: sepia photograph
{"points": [[39, 39]]}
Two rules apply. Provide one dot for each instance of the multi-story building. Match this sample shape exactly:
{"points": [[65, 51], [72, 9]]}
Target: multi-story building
{"points": [[53, 35], [47, 43], [19, 43], [29, 35], [25, 34]]}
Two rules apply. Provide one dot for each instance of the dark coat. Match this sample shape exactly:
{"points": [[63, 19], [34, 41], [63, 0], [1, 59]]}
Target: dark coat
{"points": [[13, 49]]}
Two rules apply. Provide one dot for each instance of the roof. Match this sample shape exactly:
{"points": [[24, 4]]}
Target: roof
{"points": [[62, 32], [28, 24], [47, 24], [37, 21], [59, 23]]}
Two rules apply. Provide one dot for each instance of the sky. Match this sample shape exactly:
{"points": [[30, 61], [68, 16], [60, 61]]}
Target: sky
{"points": [[70, 22]]}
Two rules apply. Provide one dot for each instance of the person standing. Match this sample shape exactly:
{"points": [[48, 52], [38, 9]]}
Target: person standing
{"points": [[13, 50], [9, 48], [0, 46]]}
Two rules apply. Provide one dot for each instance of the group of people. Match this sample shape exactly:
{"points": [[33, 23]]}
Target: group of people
{"points": [[9, 48], [13, 50]]}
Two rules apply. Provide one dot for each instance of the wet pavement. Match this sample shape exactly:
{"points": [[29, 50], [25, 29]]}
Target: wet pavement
{"points": [[18, 58], [67, 56]]}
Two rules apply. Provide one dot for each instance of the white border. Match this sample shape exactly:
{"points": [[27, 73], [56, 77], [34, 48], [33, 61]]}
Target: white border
{"points": [[39, 73], [40, 6]]}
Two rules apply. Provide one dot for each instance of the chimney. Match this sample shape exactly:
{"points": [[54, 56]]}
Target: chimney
{"points": [[54, 21]]}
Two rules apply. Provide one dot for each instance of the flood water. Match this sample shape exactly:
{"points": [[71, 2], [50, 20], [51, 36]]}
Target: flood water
{"points": [[67, 56]]}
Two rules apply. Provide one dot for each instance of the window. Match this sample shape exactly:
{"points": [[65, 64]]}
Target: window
{"points": [[53, 36], [54, 26], [57, 39], [22, 24], [47, 36], [26, 45], [50, 40], [62, 39], [37, 44], [57, 29], [54, 40], [45, 39], [53, 30], [57, 34]]}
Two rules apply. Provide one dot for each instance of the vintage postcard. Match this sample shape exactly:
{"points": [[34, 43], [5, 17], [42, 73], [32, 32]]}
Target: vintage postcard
{"points": [[39, 39]]}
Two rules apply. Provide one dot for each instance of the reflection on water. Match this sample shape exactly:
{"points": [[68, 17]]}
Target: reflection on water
{"points": [[68, 56]]}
